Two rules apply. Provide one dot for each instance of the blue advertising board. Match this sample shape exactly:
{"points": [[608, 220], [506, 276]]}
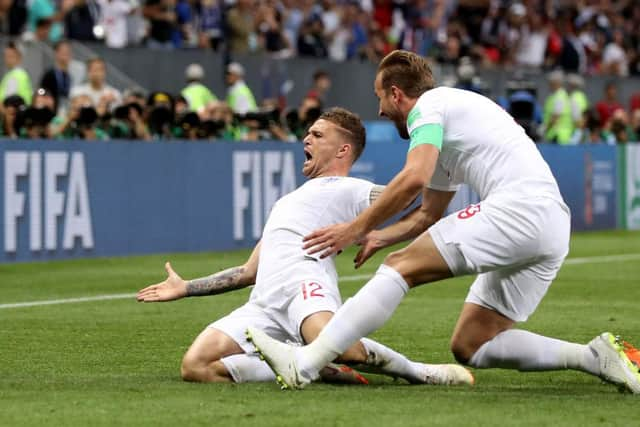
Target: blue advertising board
{"points": [[587, 176], [76, 199], [82, 199]]}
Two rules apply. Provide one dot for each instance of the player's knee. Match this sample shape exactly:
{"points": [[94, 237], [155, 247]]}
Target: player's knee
{"points": [[190, 369], [461, 351]]}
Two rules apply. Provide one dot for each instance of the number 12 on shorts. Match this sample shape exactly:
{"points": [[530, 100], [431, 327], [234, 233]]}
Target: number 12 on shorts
{"points": [[311, 289]]}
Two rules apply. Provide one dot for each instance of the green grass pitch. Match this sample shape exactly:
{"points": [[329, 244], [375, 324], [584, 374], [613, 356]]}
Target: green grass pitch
{"points": [[116, 362]]}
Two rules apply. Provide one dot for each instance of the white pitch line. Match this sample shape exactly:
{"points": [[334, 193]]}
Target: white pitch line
{"points": [[352, 278], [67, 300]]}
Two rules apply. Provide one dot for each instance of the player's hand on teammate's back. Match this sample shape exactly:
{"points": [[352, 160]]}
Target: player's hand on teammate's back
{"points": [[174, 287], [369, 245], [330, 240]]}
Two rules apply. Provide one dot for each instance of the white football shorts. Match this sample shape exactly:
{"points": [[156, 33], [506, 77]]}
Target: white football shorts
{"points": [[515, 245], [282, 320]]}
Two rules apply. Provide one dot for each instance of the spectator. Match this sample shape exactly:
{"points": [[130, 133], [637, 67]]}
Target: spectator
{"points": [[239, 96], [634, 102], [113, 20], [210, 31], [184, 34], [162, 21], [271, 38], [16, 81], [197, 95], [46, 9], [81, 20], [557, 120], [311, 41], [320, 87], [99, 92], [41, 33], [609, 104], [13, 17], [56, 79], [572, 57], [241, 26], [614, 56], [532, 45], [378, 46]]}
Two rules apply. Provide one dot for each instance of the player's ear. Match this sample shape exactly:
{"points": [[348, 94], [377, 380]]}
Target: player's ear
{"points": [[344, 150]]}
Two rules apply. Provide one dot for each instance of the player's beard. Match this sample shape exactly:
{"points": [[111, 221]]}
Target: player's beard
{"points": [[401, 124]]}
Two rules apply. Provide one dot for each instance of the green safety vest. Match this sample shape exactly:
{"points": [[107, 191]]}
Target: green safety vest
{"points": [[198, 96], [241, 91], [579, 102], [22, 88], [562, 130]]}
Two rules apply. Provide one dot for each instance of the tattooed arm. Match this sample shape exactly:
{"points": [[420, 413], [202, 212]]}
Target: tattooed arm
{"points": [[174, 287]]}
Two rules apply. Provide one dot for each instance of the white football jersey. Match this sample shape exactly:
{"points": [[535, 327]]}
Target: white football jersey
{"points": [[482, 146], [317, 203]]}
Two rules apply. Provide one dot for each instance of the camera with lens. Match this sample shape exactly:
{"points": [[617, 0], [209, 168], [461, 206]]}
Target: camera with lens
{"points": [[261, 119], [34, 121]]}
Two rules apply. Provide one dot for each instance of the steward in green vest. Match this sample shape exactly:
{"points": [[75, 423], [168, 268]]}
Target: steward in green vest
{"points": [[198, 96], [16, 81], [557, 115], [239, 97]]}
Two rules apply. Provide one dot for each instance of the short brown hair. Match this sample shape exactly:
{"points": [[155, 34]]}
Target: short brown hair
{"points": [[406, 70], [350, 125]]}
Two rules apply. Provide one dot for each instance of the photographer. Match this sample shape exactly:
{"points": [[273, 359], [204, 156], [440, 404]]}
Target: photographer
{"points": [[81, 121], [264, 124], [160, 116], [298, 121], [11, 107], [127, 122], [34, 121], [217, 122]]}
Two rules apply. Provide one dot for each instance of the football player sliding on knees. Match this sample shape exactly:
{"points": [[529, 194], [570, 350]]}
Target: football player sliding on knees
{"points": [[295, 295]]}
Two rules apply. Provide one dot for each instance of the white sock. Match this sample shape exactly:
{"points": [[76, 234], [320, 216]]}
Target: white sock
{"points": [[245, 368], [526, 351], [383, 360], [367, 311]]}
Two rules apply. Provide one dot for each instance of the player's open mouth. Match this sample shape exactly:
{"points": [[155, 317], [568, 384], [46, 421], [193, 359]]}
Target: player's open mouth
{"points": [[307, 156]]}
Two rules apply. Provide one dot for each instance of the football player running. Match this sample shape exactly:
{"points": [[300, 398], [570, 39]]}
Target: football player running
{"points": [[515, 239], [295, 295]]}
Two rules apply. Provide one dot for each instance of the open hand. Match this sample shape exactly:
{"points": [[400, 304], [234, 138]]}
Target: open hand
{"points": [[330, 240], [174, 287]]}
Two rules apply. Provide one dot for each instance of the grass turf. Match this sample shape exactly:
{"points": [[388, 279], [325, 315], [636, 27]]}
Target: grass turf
{"points": [[117, 362]]}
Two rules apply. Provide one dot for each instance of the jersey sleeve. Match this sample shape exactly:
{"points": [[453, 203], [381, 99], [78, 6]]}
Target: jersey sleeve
{"points": [[440, 180], [361, 194], [425, 122]]}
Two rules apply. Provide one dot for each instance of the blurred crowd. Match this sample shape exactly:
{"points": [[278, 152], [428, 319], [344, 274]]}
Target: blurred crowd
{"points": [[585, 36], [567, 116], [94, 110]]}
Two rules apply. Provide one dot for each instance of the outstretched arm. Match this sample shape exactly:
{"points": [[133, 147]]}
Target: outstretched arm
{"points": [[174, 287]]}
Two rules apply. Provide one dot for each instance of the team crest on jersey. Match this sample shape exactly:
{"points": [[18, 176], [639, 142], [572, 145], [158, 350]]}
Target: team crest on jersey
{"points": [[470, 211]]}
